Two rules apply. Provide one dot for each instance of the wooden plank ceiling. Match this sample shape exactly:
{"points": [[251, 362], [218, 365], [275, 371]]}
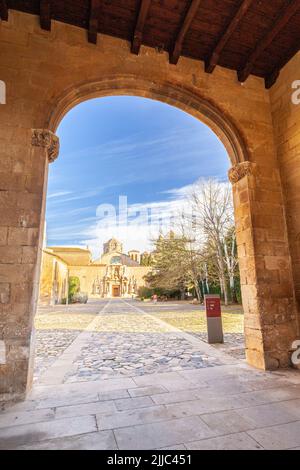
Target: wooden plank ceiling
{"points": [[250, 36]]}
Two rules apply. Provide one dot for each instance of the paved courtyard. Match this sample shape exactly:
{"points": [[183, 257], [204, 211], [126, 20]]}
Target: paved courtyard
{"points": [[118, 338], [116, 374]]}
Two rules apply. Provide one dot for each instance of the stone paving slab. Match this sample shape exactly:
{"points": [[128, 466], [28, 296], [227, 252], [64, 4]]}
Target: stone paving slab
{"points": [[85, 409], [133, 417], [284, 436], [143, 391], [165, 433], [40, 402], [178, 396], [271, 395], [114, 394], [133, 403], [14, 436], [205, 405], [271, 414], [63, 391], [25, 417], [103, 440], [226, 422], [239, 441], [177, 447]]}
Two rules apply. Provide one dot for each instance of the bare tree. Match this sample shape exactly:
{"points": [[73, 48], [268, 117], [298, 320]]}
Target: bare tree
{"points": [[203, 253], [213, 216]]}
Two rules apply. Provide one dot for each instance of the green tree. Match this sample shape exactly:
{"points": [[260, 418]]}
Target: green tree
{"points": [[146, 259], [176, 265], [74, 287]]}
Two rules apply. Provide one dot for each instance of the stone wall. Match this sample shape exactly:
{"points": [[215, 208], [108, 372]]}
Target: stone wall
{"points": [[286, 119], [54, 279], [46, 73]]}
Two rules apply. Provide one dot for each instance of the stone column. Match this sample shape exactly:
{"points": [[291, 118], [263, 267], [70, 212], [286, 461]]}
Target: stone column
{"points": [[22, 220], [265, 265]]}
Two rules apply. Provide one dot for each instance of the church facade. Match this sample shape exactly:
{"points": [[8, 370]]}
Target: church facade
{"points": [[114, 274]]}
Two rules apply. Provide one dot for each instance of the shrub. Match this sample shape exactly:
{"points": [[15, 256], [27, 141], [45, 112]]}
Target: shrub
{"points": [[74, 287], [80, 298]]}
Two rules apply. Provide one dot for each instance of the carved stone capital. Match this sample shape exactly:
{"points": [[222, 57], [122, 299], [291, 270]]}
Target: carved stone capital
{"points": [[48, 140], [237, 172]]}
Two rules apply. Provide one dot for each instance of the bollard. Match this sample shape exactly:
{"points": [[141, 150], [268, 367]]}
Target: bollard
{"points": [[214, 319]]}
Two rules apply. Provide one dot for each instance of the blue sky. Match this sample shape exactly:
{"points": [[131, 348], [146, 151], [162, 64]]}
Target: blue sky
{"points": [[124, 146]]}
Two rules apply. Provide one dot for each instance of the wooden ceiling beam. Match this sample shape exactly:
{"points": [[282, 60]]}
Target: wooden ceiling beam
{"points": [[282, 20], [139, 27], [94, 21], [3, 10], [214, 58], [190, 15], [272, 77], [45, 14]]}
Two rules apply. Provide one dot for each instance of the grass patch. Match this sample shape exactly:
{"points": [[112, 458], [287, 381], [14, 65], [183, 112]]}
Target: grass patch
{"points": [[196, 321]]}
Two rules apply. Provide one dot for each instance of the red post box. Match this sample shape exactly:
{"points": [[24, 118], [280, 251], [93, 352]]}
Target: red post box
{"points": [[214, 319]]}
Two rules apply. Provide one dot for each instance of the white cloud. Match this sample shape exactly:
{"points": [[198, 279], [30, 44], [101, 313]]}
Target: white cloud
{"points": [[58, 194], [137, 225], [147, 220]]}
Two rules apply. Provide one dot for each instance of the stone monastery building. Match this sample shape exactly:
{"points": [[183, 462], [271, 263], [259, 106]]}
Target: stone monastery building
{"points": [[114, 274]]}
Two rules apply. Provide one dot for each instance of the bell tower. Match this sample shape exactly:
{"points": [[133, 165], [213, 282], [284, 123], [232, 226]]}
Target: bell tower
{"points": [[112, 246]]}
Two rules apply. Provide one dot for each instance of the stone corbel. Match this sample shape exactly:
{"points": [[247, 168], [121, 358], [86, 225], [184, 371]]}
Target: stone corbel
{"points": [[48, 140], [238, 171]]}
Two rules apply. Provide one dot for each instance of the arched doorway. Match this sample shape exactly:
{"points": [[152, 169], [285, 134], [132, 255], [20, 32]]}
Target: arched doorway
{"points": [[242, 176], [83, 128], [262, 347]]}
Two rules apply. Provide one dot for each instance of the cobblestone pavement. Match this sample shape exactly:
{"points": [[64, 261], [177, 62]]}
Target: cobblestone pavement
{"points": [[229, 406], [49, 346], [127, 354], [234, 344], [56, 328], [191, 318], [107, 339]]}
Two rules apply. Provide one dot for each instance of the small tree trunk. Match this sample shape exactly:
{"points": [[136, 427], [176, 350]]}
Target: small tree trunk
{"points": [[222, 273], [224, 288], [197, 289]]}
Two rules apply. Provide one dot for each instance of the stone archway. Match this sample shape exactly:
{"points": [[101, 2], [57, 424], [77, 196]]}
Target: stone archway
{"points": [[243, 176], [64, 71]]}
